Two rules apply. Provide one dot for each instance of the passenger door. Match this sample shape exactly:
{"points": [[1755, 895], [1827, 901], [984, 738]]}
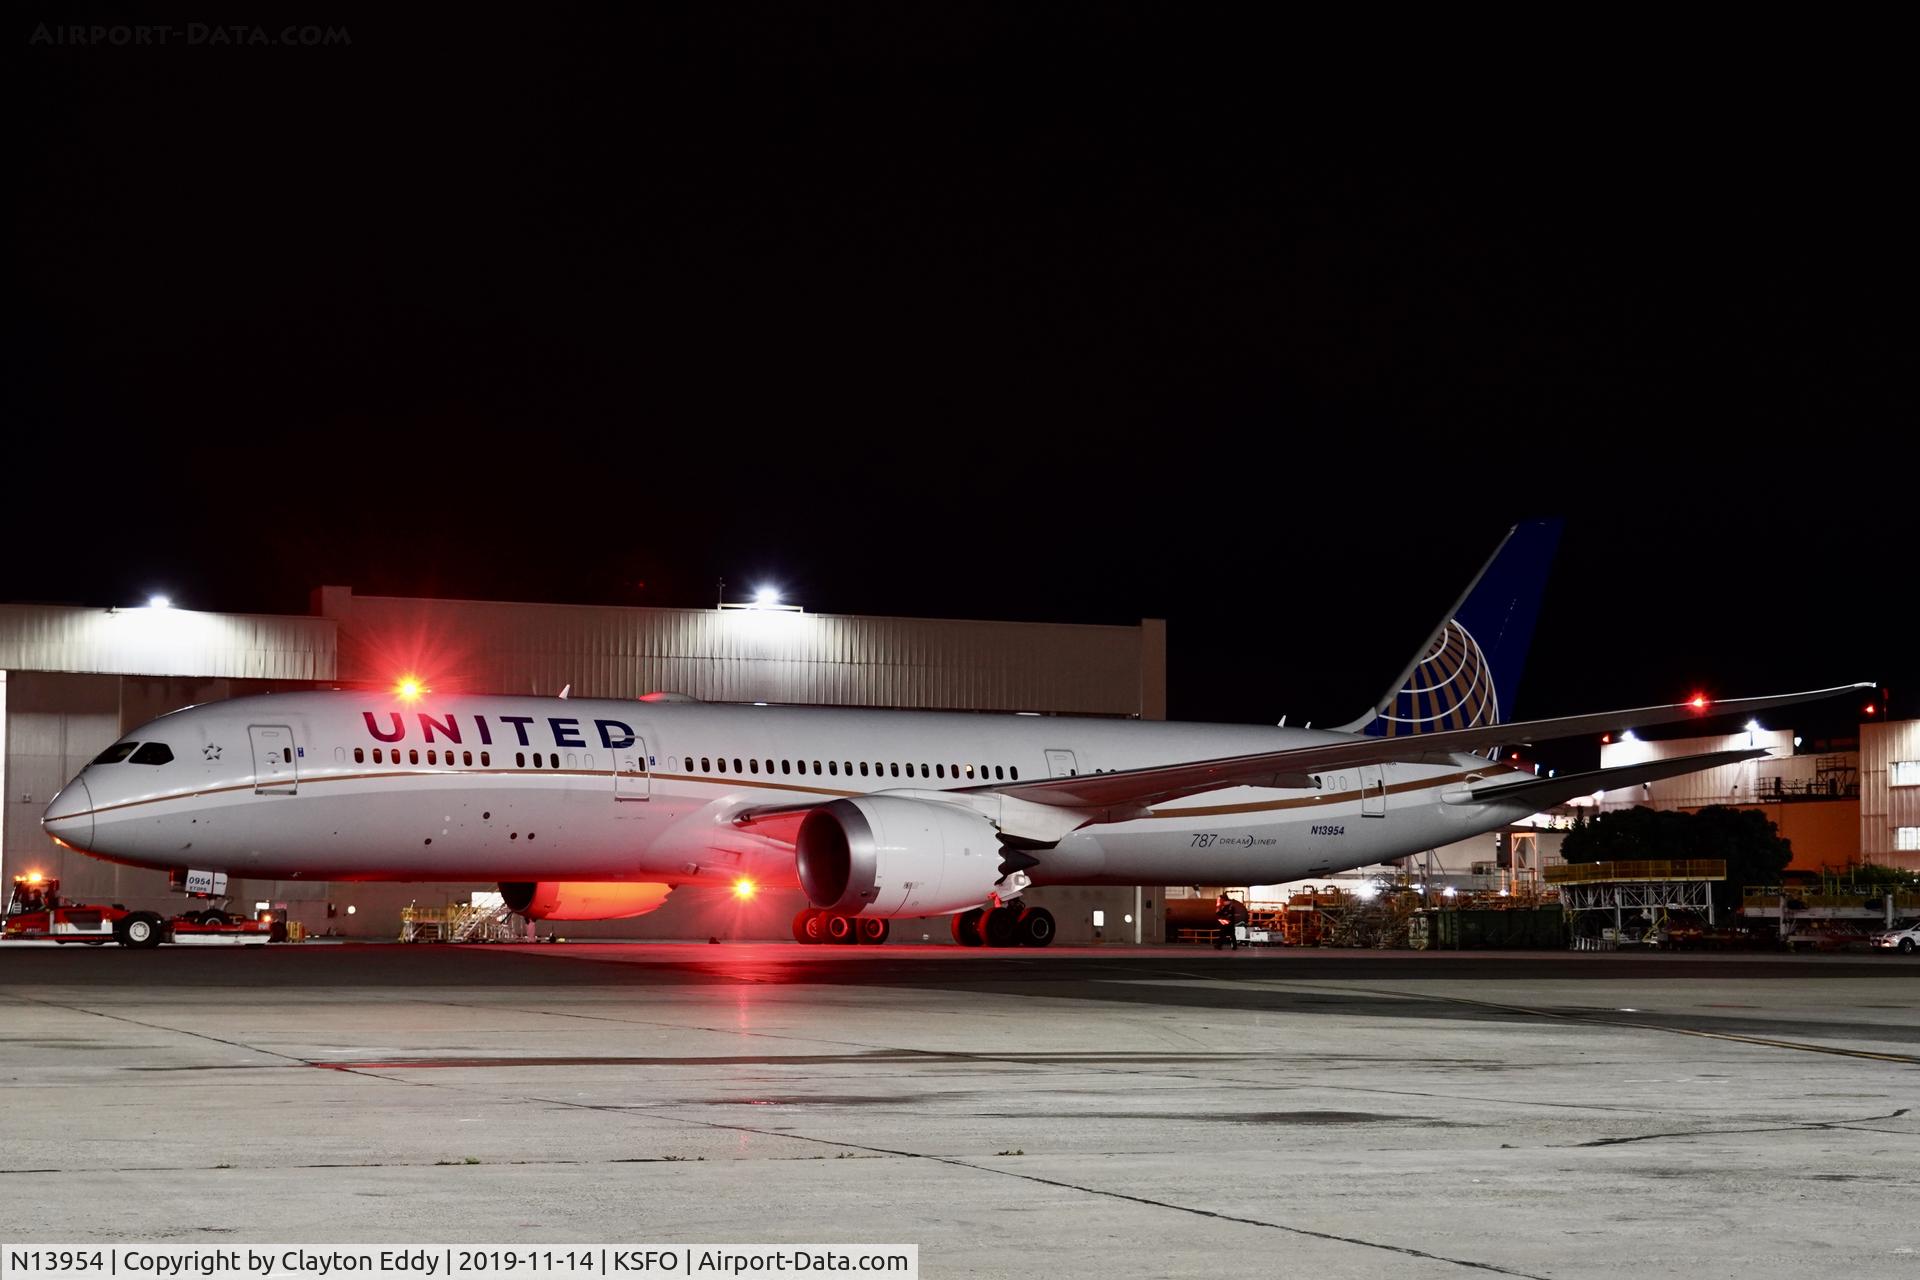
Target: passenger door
{"points": [[1373, 792], [276, 771], [632, 779], [1061, 763]]}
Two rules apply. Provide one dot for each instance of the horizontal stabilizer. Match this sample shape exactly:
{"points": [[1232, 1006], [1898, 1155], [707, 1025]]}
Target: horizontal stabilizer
{"points": [[1543, 793]]}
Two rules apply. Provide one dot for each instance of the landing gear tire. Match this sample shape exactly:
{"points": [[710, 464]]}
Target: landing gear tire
{"points": [[806, 925], [142, 929], [966, 927], [873, 930], [1001, 928], [1035, 927], [842, 930]]}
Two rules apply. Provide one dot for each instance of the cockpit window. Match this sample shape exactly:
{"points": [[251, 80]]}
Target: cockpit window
{"points": [[116, 753], [152, 753]]}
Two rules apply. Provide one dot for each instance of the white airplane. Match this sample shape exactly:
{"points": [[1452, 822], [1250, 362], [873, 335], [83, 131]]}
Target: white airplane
{"points": [[596, 808]]}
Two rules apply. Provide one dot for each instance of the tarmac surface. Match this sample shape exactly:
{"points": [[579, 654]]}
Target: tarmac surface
{"points": [[1119, 1112]]}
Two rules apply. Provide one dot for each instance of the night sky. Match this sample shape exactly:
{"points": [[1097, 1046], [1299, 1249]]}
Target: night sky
{"points": [[1075, 317]]}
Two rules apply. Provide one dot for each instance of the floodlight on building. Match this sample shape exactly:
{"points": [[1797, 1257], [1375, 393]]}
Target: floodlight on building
{"points": [[1753, 726], [1796, 739], [159, 602], [1629, 735], [766, 596]]}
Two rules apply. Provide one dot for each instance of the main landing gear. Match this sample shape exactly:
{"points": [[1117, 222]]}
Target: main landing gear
{"points": [[814, 925], [1008, 926]]}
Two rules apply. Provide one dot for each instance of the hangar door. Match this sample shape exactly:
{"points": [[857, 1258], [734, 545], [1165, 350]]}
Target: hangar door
{"points": [[275, 771]]}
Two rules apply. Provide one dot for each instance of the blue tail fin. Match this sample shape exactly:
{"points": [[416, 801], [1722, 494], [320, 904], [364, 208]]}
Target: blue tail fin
{"points": [[1469, 670]]}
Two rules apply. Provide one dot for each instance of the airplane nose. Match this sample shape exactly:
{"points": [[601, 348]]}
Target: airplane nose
{"points": [[70, 816]]}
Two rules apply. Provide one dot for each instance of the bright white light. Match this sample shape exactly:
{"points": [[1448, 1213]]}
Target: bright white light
{"points": [[1796, 742], [1627, 736], [1448, 892], [1099, 919], [767, 595], [351, 909], [1753, 726], [1366, 889], [159, 602]]}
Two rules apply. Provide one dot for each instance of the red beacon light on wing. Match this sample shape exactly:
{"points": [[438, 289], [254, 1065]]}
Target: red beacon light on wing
{"points": [[1699, 702]]}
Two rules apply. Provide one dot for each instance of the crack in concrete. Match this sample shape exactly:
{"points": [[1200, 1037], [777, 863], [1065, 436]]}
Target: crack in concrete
{"points": [[1777, 1128]]}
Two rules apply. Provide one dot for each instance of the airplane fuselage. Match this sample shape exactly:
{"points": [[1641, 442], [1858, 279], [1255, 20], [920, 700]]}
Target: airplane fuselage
{"points": [[359, 786]]}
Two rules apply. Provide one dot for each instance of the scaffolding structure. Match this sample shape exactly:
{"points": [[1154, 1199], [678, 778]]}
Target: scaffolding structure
{"points": [[1651, 891], [458, 922]]}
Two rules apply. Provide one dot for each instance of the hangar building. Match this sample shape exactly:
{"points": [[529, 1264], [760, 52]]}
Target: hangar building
{"points": [[73, 679]]}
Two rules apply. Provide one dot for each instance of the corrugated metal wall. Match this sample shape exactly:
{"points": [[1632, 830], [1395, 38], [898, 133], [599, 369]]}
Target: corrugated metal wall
{"points": [[1882, 806], [750, 656], [165, 642]]}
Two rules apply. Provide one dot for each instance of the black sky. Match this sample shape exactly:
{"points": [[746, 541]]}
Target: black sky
{"points": [[1086, 317]]}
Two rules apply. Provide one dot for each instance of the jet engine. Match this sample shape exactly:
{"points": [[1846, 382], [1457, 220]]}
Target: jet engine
{"points": [[583, 900], [891, 856]]}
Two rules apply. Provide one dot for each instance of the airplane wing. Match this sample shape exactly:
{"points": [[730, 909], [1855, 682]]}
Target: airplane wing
{"points": [[1141, 787], [1127, 793]]}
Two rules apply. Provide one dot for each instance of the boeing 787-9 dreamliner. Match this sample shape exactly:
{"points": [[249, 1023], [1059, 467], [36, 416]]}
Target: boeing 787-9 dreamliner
{"points": [[596, 808]]}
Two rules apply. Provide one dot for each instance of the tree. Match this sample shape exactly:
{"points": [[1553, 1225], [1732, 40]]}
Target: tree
{"points": [[1745, 839]]}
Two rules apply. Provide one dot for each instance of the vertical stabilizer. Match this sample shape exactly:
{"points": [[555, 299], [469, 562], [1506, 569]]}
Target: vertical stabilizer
{"points": [[1468, 672]]}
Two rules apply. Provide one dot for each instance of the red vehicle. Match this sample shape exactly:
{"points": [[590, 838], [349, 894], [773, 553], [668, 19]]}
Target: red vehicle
{"points": [[35, 912]]}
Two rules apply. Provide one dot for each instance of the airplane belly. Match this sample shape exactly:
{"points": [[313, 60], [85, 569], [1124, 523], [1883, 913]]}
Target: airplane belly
{"points": [[1246, 848]]}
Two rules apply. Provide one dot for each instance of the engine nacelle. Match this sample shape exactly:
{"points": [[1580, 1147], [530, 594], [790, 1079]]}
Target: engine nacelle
{"points": [[583, 899], [891, 856]]}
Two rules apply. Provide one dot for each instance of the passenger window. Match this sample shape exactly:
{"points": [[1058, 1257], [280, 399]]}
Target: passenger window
{"points": [[376, 756], [863, 768], [433, 757], [466, 759], [736, 764], [786, 766], [833, 767], [359, 755], [413, 757], [573, 761], [553, 759], [723, 765], [999, 772], [116, 753], [706, 765], [923, 770], [896, 768], [816, 766], [519, 758], [753, 766], [486, 758], [152, 753], [1013, 771], [940, 770]]}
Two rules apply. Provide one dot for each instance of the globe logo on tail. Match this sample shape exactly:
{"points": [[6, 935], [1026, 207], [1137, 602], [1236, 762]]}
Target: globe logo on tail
{"points": [[1450, 688]]}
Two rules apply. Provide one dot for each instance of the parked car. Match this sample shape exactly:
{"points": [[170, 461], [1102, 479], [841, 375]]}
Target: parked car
{"points": [[1905, 940]]}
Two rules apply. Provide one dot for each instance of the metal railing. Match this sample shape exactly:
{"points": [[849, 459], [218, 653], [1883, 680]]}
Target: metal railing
{"points": [[1682, 869]]}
